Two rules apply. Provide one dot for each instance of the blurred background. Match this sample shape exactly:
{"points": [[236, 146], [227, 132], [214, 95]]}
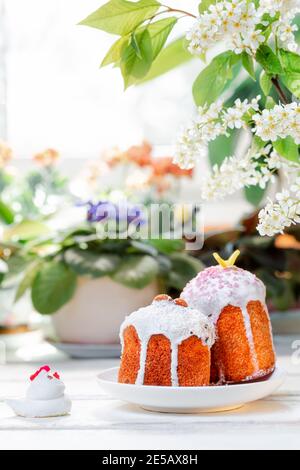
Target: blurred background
{"points": [[71, 140]]}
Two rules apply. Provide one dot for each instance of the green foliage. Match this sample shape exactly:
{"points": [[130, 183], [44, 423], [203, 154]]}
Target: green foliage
{"points": [[254, 195], [6, 213], [91, 263], [136, 60], [265, 83], [291, 66], [145, 45], [268, 60], [212, 81], [115, 52], [205, 4], [28, 279], [288, 149], [25, 231], [167, 246], [53, 286], [136, 271], [248, 65], [184, 268], [173, 55], [120, 16], [221, 148]]}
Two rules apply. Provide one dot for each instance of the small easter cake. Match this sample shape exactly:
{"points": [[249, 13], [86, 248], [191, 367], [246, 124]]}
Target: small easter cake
{"points": [[166, 343]]}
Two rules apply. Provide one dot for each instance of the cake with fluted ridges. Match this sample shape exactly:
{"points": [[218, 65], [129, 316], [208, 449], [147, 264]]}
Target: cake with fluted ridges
{"points": [[234, 300], [166, 344]]}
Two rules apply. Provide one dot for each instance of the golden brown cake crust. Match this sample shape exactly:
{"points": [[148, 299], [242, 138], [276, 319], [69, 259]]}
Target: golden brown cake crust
{"points": [[232, 351], [193, 363], [232, 360], [262, 336], [130, 361], [158, 362]]}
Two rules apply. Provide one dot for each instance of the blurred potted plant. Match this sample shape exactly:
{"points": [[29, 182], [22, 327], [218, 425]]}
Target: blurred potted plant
{"points": [[88, 282], [23, 198]]}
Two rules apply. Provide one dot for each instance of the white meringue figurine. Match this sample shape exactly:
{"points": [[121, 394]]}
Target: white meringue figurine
{"points": [[45, 397]]}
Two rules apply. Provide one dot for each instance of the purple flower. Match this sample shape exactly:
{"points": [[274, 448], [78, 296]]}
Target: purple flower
{"points": [[104, 211]]}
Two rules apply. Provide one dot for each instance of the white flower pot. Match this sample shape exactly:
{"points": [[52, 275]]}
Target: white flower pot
{"points": [[98, 308]]}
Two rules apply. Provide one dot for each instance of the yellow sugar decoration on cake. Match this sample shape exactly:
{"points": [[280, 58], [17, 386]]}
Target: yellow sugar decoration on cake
{"points": [[229, 262]]}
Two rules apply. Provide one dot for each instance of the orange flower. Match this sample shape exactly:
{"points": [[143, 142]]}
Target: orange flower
{"points": [[140, 154], [47, 158], [5, 154], [165, 166]]}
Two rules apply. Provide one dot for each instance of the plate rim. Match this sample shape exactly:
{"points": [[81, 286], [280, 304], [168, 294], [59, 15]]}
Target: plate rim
{"points": [[278, 374]]}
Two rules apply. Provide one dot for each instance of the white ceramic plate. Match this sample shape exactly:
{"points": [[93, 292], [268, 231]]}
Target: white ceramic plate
{"points": [[88, 351], [189, 399]]}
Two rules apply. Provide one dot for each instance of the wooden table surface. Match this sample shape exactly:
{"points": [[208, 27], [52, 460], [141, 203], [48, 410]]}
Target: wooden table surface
{"points": [[100, 422]]}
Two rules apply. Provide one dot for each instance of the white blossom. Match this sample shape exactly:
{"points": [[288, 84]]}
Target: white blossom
{"points": [[280, 122], [235, 173], [238, 23], [278, 215], [210, 123]]}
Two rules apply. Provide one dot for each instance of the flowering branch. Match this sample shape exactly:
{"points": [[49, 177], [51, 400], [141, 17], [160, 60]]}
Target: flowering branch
{"points": [[279, 90]]}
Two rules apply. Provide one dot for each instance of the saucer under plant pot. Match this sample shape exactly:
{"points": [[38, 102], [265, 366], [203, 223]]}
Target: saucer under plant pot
{"points": [[16, 329]]}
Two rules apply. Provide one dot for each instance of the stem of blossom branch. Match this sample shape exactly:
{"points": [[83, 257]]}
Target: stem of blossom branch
{"points": [[175, 10], [279, 90]]}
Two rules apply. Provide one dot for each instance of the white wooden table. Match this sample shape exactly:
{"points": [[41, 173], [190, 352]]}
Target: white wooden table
{"points": [[99, 422]]}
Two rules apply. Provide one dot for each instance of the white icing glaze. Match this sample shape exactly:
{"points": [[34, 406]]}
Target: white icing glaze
{"points": [[175, 322], [45, 397], [217, 287]]}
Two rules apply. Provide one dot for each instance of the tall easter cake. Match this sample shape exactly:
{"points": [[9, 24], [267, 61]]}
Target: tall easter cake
{"points": [[234, 300]]}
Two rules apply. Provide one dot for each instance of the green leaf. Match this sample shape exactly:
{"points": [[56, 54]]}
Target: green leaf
{"points": [[89, 263], [28, 279], [17, 264], [287, 149], [257, 144], [292, 82], [159, 33], [25, 231], [53, 287], [120, 16], [6, 213], [133, 66], [265, 83], [289, 61], [248, 64], [268, 60], [291, 65], [254, 195], [115, 52], [134, 43], [172, 56], [184, 268], [167, 246], [136, 271], [221, 147], [270, 103], [205, 4], [212, 81]]}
